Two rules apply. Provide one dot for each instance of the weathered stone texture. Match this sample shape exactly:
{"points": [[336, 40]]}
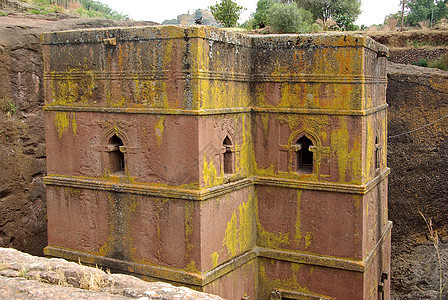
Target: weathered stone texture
{"points": [[233, 153], [22, 141], [419, 175], [23, 276]]}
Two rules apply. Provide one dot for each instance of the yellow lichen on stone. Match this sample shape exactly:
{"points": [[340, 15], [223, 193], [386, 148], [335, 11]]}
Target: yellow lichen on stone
{"points": [[87, 85], [189, 210], [106, 248], [215, 259], [65, 91], [370, 149], [270, 239], [61, 120], [293, 121], [246, 225], [209, 172], [191, 267], [295, 268], [74, 125], [266, 238], [231, 235], [265, 122], [308, 239], [239, 230], [348, 156], [160, 128]]}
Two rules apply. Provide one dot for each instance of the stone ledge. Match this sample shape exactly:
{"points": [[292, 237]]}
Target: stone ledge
{"points": [[154, 190], [32, 277], [213, 111], [327, 261]]}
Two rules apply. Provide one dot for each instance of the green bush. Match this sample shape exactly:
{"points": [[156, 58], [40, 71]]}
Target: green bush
{"points": [[288, 18], [260, 18], [440, 63], [422, 62], [226, 13], [7, 106], [315, 28]]}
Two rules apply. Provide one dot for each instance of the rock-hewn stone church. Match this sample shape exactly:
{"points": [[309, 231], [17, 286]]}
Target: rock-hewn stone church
{"points": [[245, 166]]}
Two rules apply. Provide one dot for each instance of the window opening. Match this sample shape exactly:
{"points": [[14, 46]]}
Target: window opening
{"points": [[304, 157], [228, 156], [116, 156], [377, 154]]}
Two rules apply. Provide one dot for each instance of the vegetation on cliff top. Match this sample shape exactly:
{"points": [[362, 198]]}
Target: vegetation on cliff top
{"points": [[82, 8]]}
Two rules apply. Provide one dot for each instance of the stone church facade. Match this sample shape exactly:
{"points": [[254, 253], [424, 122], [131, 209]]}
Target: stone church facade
{"points": [[239, 165]]}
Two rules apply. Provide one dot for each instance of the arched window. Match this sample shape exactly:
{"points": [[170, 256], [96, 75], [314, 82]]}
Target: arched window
{"points": [[304, 157], [116, 156], [228, 156]]}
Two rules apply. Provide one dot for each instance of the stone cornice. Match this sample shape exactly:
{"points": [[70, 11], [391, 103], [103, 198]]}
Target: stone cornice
{"points": [[214, 75], [146, 189], [217, 111], [157, 190], [360, 189], [212, 34], [326, 261]]}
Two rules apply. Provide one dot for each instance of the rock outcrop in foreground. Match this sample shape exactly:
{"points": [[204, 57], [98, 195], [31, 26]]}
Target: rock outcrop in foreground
{"points": [[23, 276]]}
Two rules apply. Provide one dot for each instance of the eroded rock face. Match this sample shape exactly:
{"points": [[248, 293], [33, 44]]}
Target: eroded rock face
{"points": [[22, 147], [41, 278], [23, 222], [419, 177]]}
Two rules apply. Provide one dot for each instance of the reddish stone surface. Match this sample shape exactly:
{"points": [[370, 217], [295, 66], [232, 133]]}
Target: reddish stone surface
{"points": [[243, 166]]}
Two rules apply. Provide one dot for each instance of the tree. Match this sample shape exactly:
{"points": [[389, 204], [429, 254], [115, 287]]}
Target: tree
{"points": [[403, 4], [288, 18], [261, 14], [343, 12], [226, 12], [421, 10]]}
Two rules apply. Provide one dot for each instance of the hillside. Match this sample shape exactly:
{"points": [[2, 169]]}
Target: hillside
{"points": [[419, 47], [59, 9]]}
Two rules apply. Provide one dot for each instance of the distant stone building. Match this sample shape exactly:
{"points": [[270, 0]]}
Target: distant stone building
{"points": [[245, 166]]}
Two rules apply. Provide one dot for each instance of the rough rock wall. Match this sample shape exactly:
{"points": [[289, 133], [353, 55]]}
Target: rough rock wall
{"points": [[410, 56], [419, 177], [411, 38], [22, 148], [22, 140]]}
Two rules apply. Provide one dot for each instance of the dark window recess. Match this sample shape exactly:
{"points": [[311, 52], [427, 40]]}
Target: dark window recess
{"points": [[228, 156], [377, 154], [304, 157], [116, 156]]}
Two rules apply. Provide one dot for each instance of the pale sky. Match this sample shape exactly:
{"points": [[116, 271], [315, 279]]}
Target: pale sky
{"points": [[373, 11]]}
